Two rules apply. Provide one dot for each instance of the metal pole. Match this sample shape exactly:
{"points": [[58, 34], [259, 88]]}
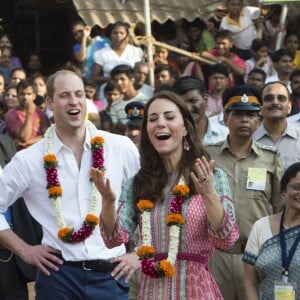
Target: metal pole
{"points": [[282, 22], [149, 46]]}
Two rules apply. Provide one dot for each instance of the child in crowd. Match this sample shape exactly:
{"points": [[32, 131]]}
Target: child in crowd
{"points": [[90, 89], [112, 94], [291, 41], [16, 76], [260, 59], [222, 53], [218, 80], [161, 56], [123, 77], [10, 97], [186, 66]]}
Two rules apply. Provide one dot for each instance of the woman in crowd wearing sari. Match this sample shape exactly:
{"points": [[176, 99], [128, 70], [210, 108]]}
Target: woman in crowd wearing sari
{"points": [[272, 255]]}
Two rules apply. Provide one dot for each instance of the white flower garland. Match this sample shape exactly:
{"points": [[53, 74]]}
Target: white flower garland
{"points": [[94, 204]]}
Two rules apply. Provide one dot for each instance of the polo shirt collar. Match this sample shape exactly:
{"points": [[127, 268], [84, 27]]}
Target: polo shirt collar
{"points": [[233, 22]]}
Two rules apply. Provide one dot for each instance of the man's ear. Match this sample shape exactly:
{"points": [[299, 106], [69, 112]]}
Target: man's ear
{"points": [[226, 114], [49, 103], [290, 106]]}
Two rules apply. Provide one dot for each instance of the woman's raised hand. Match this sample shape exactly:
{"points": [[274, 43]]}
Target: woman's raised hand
{"points": [[203, 176], [103, 186]]}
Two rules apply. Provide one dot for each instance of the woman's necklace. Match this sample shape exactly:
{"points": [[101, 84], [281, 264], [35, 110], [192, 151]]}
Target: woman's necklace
{"points": [[174, 219], [66, 233]]}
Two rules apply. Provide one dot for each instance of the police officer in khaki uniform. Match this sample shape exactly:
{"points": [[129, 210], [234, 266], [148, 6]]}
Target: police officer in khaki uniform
{"points": [[254, 172]]}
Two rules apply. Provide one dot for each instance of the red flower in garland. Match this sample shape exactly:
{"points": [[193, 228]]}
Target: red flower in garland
{"points": [[65, 233], [146, 253]]}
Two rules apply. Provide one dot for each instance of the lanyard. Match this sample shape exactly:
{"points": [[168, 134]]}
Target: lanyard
{"points": [[286, 257]]}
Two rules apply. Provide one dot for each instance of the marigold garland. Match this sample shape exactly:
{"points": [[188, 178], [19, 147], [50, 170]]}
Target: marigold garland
{"points": [[166, 268], [55, 191], [174, 219], [145, 205]]}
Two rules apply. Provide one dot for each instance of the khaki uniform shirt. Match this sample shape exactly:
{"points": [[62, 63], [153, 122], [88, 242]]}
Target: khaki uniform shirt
{"points": [[250, 205], [288, 145]]}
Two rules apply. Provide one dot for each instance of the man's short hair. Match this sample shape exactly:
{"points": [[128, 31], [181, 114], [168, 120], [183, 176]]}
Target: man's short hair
{"points": [[26, 83], [122, 69], [224, 34], [110, 86], [295, 73], [258, 71], [188, 83], [278, 54], [165, 67], [218, 68], [258, 44]]}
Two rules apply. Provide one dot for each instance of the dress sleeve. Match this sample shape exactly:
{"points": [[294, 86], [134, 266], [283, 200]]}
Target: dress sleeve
{"points": [[126, 221], [252, 246], [227, 233], [259, 234]]}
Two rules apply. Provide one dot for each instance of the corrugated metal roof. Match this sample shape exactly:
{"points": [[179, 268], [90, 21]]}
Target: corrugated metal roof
{"points": [[104, 12]]}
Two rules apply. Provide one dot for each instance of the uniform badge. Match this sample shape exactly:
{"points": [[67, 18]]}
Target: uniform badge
{"points": [[135, 112], [244, 98]]}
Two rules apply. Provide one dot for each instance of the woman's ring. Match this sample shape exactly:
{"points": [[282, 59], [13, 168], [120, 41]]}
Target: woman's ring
{"points": [[202, 179]]}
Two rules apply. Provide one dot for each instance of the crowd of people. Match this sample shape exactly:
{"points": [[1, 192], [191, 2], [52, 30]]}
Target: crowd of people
{"points": [[112, 188]]}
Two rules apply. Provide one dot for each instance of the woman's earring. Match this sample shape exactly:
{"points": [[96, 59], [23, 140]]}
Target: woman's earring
{"points": [[186, 145]]}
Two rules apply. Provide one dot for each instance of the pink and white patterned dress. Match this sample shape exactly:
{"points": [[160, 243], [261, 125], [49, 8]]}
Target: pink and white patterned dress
{"points": [[193, 279]]}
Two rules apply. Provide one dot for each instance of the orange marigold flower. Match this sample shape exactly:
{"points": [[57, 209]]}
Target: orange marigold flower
{"points": [[146, 251], [50, 158], [174, 219], [92, 219], [167, 268], [55, 191], [181, 190], [144, 205], [63, 233], [97, 140]]}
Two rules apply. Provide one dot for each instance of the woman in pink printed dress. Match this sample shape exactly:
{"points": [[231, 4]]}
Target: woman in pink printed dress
{"points": [[180, 202]]}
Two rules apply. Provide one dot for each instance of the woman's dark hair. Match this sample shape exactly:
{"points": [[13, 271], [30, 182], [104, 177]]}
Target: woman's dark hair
{"points": [[153, 177], [118, 24], [110, 86], [289, 173], [290, 33], [257, 44]]}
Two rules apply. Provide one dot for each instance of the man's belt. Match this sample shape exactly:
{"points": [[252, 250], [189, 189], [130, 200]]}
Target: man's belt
{"points": [[99, 265]]}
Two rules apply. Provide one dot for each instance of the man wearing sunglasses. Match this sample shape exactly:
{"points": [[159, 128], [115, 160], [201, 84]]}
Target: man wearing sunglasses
{"points": [[275, 130]]}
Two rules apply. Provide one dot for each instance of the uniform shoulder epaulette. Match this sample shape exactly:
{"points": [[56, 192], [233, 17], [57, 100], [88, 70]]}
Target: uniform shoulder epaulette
{"points": [[266, 147]]}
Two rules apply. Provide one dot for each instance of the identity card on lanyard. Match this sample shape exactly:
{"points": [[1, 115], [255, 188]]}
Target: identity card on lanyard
{"points": [[285, 289]]}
